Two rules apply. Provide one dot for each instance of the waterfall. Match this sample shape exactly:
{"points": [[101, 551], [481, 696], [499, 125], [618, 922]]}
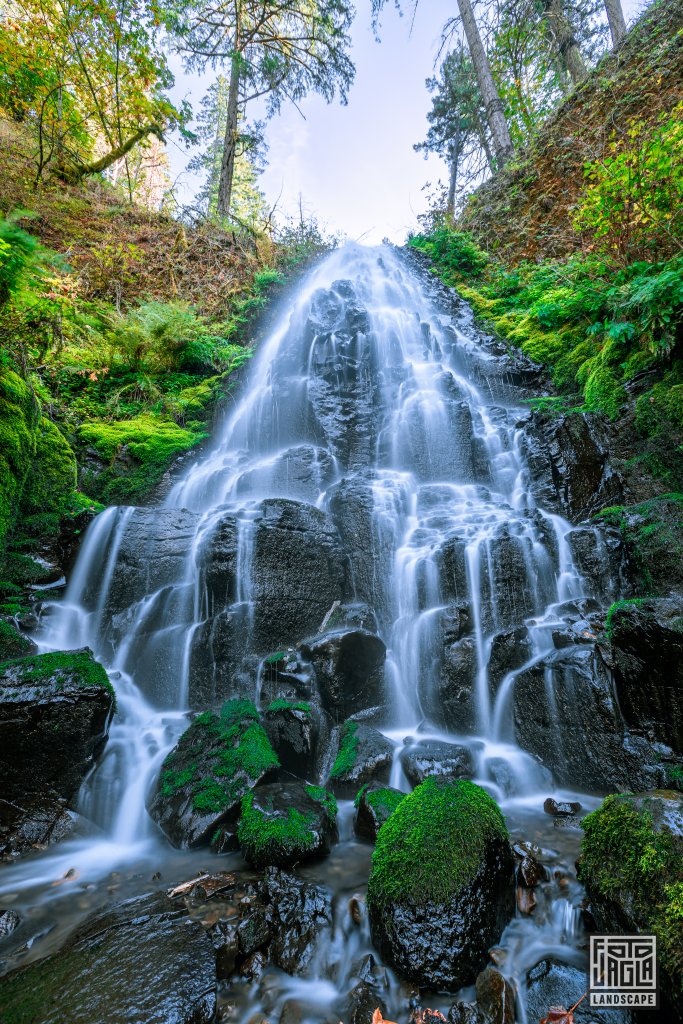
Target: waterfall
{"points": [[385, 428]]}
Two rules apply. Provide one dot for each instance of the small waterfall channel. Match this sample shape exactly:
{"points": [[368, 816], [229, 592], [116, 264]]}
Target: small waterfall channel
{"points": [[382, 422]]}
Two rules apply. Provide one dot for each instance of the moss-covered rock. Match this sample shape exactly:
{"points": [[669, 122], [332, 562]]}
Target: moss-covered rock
{"points": [[285, 823], [441, 888], [364, 756], [652, 532], [374, 804], [14, 644], [632, 866], [52, 478], [217, 760], [55, 711], [19, 415]]}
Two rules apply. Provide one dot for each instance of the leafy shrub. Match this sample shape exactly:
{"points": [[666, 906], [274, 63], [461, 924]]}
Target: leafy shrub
{"points": [[454, 250]]}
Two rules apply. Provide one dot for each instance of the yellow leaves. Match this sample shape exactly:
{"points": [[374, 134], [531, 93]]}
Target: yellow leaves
{"points": [[377, 1018]]}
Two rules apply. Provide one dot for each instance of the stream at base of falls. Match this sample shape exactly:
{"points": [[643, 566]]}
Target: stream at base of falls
{"points": [[386, 435]]}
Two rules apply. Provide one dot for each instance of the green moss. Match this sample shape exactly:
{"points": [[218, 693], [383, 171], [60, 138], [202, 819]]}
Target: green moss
{"points": [[152, 442], [617, 607], [623, 857], [265, 837], [323, 797], [77, 668], [433, 843], [19, 414], [384, 801], [604, 393], [241, 754], [273, 659], [52, 478], [290, 705], [653, 537], [13, 644], [348, 751]]}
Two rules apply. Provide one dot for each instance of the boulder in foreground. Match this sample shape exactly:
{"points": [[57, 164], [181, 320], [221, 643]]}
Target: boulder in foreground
{"points": [[441, 888]]}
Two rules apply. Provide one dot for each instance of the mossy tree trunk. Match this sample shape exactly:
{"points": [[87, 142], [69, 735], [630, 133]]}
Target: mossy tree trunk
{"points": [[564, 40]]}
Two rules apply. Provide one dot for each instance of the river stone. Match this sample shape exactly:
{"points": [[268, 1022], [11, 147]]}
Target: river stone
{"points": [[300, 913], [434, 913], [55, 711], [35, 821], [495, 997], [218, 759], [286, 822], [374, 805], [297, 571], [576, 730], [551, 983], [364, 756], [435, 758], [144, 962], [293, 728], [647, 653], [349, 668]]}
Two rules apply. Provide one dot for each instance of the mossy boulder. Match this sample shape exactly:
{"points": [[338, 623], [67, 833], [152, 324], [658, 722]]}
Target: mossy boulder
{"points": [[218, 759], [631, 864], [441, 888], [52, 478], [144, 962], [14, 644], [284, 823], [364, 756], [55, 711], [652, 534], [374, 804], [19, 415]]}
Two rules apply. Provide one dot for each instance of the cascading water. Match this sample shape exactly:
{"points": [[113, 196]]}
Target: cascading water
{"points": [[387, 423]]}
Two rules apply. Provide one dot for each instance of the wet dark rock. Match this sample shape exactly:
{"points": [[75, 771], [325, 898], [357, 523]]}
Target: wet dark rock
{"points": [[225, 942], [569, 464], [495, 997], [565, 808], [364, 756], [432, 915], [369, 553], [254, 932], [287, 822], [510, 649], [285, 676], [598, 554], [297, 571], [144, 962], [579, 632], [551, 983], [453, 572], [438, 759], [55, 711], [349, 668], [35, 821], [374, 805], [576, 730], [526, 900], [647, 654], [464, 1013], [362, 1003], [299, 912], [219, 758], [454, 702], [293, 728], [9, 922], [567, 821], [531, 872], [300, 472]]}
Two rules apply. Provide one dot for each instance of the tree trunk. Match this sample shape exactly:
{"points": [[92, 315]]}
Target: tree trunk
{"points": [[455, 161], [229, 142], [617, 24], [502, 143], [97, 166], [564, 40]]}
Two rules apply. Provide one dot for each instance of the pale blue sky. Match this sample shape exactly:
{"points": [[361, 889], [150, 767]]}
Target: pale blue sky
{"points": [[355, 166]]}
